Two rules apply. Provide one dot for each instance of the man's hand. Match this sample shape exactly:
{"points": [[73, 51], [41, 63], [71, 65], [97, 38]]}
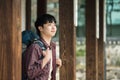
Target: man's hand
{"points": [[47, 56], [58, 62]]}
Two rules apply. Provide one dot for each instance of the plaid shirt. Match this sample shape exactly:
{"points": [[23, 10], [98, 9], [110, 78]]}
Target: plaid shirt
{"points": [[32, 63]]}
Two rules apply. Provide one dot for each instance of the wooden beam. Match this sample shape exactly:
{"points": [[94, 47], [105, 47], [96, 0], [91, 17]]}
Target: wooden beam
{"points": [[67, 40], [41, 7], [28, 14], [91, 40], [101, 54], [10, 39]]}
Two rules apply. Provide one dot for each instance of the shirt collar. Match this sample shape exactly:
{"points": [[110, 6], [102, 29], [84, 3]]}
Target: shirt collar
{"points": [[46, 44]]}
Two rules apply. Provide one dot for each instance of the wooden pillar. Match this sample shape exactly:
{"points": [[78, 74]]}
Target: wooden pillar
{"points": [[28, 14], [91, 40], [67, 40], [101, 54], [41, 7], [10, 39]]}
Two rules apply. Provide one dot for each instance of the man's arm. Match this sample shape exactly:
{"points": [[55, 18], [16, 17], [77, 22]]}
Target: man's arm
{"points": [[34, 65]]}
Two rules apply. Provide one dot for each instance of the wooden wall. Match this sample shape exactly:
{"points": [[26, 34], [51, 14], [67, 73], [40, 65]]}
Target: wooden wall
{"points": [[67, 40], [41, 7], [101, 41], [95, 25], [28, 14], [10, 39], [91, 40]]}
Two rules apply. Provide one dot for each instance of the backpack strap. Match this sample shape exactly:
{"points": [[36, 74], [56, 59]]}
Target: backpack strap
{"points": [[40, 43], [42, 46]]}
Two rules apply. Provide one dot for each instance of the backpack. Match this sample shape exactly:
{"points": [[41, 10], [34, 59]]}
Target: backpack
{"points": [[28, 38]]}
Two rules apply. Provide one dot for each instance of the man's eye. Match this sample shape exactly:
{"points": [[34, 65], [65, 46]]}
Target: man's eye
{"points": [[49, 24]]}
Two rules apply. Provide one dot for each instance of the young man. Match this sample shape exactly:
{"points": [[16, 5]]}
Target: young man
{"points": [[35, 67]]}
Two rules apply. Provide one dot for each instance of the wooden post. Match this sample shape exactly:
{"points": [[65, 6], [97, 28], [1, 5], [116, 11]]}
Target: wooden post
{"points": [[67, 40], [28, 14], [41, 7], [10, 39], [101, 54], [91, 40]]}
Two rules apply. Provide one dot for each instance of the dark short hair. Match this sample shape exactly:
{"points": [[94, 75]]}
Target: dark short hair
{"points": [[43, 19]]}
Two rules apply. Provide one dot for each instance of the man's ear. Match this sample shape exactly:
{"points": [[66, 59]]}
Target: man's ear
{"points": [[40, 28]]}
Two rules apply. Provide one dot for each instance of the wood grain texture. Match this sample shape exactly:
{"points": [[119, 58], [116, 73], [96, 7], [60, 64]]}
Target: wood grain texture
{"points": [[41, 7], [28, 14], [101, 43], [67, 40], [10, 40], [91, 41]]}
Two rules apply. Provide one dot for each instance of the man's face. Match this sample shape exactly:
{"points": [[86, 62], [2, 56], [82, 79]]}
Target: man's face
{"points": [[49, 29]]}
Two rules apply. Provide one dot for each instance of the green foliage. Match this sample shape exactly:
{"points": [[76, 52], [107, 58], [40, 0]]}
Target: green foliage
{"points": [[118, 62], [80, 51]]}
